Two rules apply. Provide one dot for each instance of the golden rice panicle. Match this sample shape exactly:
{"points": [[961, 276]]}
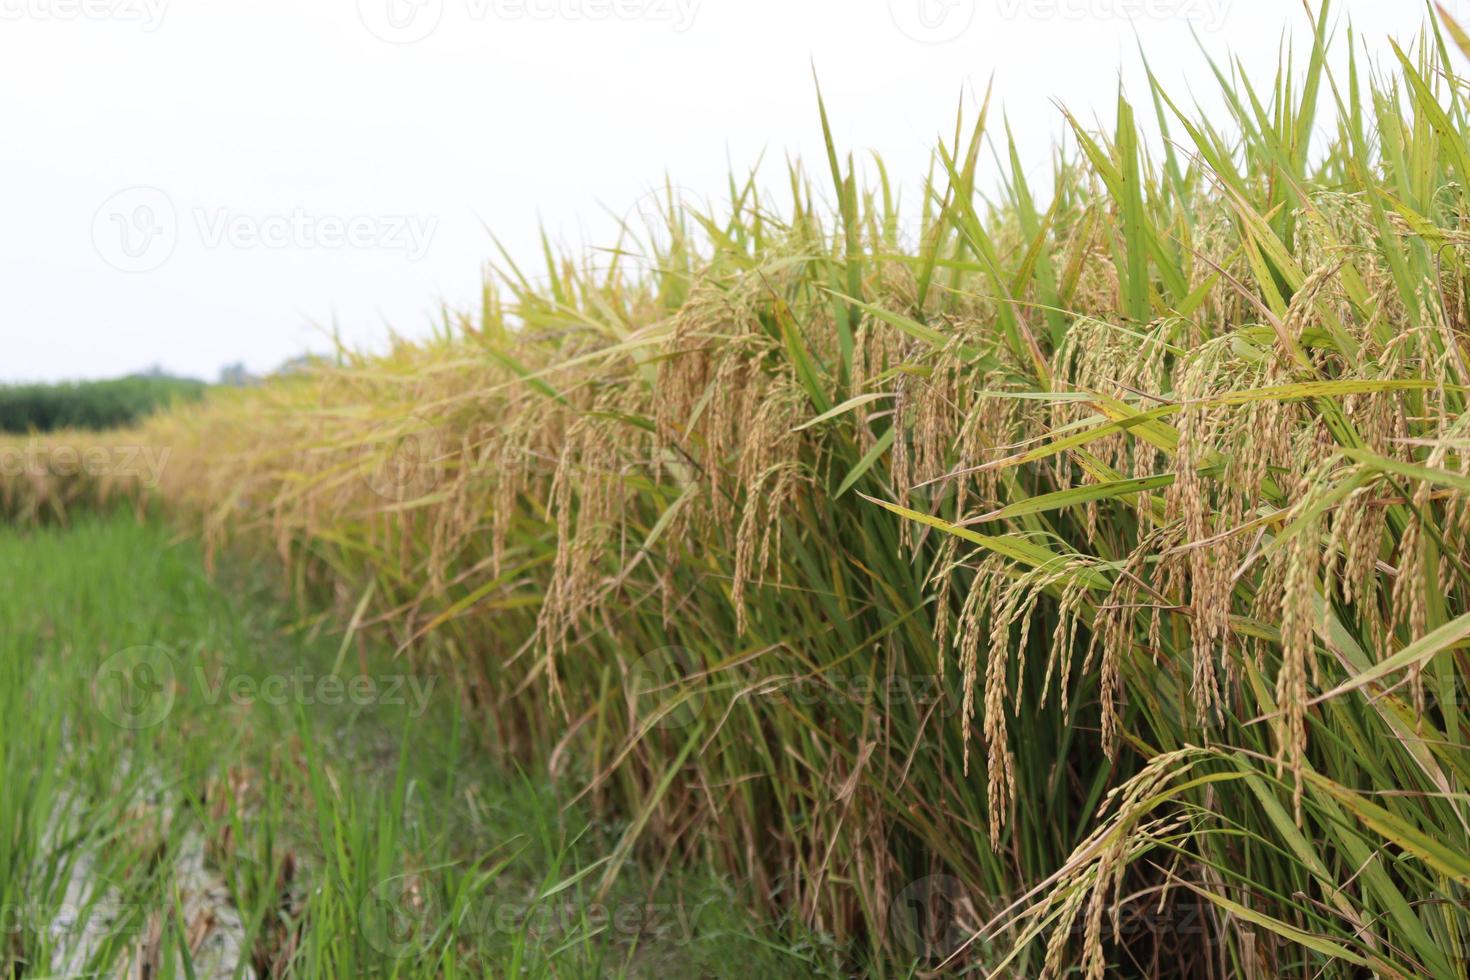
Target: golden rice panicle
{"points": [[1000, 762], [1417, 575], [1070, 616], [1301, 563], [768, 476], [1093, 875], [975, 614], [1015, 603], [1192, 501], [941, 579], [1121, 362], [993, 424], [937, 416]]}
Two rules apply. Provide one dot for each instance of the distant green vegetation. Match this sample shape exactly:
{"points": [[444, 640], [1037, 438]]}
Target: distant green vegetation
{"points": [[90, 404]]}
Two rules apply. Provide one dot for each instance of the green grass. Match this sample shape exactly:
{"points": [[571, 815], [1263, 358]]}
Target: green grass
{"points": [[91, 404], [354, 839]]}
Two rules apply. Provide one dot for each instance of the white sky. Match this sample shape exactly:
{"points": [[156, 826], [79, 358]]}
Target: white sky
{"points": [[148, 146]]}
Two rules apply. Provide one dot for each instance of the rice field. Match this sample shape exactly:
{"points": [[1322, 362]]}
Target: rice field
{"points": [[1075, 587], [199, 784]]}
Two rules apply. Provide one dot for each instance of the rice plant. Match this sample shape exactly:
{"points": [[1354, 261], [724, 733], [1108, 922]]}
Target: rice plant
{"points": [[1078, 588]]}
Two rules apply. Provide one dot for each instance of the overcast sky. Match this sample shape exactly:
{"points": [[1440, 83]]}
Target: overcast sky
{"points": [[193, 183]]}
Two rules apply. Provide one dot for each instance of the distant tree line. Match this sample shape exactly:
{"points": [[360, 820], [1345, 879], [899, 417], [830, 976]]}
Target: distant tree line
{"points": [[90, 404]]}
